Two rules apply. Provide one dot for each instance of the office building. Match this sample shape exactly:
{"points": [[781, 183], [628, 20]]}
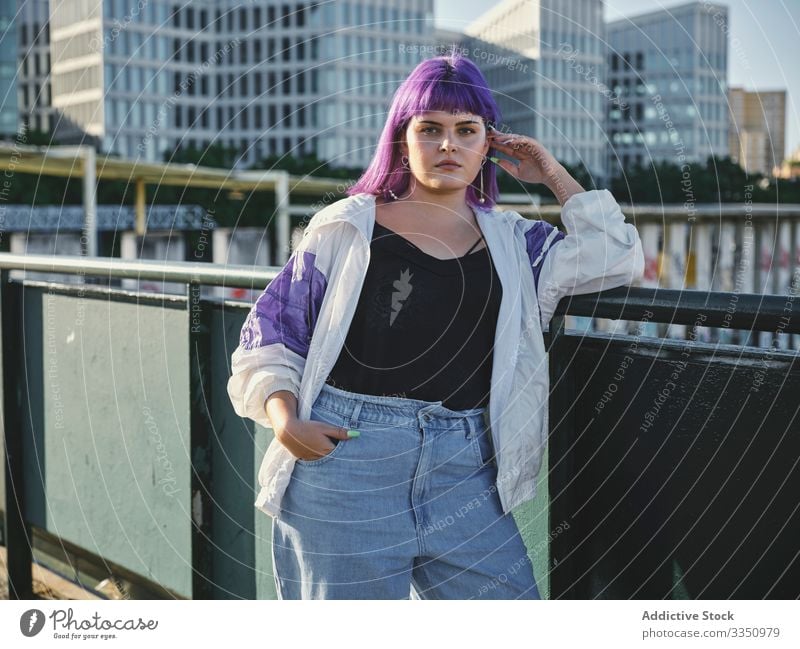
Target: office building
{"points": [[669, 68], [31, 66], [546, 59], [264, 77], [757, 130]]}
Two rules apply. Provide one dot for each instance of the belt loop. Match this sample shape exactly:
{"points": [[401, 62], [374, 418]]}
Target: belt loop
{"points": [[471, 423], [355, 413]]}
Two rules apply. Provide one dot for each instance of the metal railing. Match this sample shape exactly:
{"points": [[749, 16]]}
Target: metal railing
{"points": [[133, 385]]}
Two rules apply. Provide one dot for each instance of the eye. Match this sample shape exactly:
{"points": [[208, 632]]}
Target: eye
{"points": [[463, 129]]}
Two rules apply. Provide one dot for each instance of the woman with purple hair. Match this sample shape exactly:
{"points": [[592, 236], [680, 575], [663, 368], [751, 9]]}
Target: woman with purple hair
{"points": [[399, 359]]}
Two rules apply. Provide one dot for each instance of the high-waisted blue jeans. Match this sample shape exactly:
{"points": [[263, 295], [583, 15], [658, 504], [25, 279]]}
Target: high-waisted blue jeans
{"points": [[411, 502]]}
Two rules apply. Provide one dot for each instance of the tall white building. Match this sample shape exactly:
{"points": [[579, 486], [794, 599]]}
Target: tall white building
{"points": [[670, 69], [266, 77], [546, 59]]}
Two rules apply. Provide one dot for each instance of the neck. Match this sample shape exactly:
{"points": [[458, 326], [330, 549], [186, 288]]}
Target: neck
{"points": [[444, 206]]}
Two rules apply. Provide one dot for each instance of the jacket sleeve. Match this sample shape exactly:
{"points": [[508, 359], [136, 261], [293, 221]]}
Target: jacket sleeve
{"points": [[274, 341], [599, 251]]}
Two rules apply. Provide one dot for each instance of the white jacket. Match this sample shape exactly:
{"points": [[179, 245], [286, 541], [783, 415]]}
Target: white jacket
{"points": [[297, 327]]}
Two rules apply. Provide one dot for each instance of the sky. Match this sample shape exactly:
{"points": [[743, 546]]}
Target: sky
{"points": [[763, 52]]}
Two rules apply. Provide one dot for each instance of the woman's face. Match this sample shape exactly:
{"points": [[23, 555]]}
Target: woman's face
{"points": [[435, 136]]}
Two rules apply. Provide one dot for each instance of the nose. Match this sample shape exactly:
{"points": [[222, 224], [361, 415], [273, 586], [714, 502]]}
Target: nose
{"points": [[446, 145]]}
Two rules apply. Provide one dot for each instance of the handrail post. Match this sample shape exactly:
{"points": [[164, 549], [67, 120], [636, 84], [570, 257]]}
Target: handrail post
{"points": [[200, 439], [19, 552], [560, 468]]}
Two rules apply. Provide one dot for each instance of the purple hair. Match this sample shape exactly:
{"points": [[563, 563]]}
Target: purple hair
{"points": [[447, 83]]}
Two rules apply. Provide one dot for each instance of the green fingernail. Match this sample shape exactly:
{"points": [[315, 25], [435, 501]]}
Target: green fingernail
{"points": [[495, 160], [353, 433]]}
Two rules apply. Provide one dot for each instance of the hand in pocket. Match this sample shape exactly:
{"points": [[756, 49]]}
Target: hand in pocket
{"points": [[310, 440]]}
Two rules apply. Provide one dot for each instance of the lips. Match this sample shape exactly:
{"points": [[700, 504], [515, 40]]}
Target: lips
{"points": [[448, 163]]}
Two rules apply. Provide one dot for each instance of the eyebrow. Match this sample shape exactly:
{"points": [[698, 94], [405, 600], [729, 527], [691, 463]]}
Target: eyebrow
{"points": [[428, 121]]}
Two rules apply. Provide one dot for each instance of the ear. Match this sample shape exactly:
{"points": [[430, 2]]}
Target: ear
{"points": [[403, 145]]}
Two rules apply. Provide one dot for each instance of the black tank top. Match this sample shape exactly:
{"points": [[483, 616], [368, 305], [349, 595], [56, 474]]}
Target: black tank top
{"points": [[423, 327]]}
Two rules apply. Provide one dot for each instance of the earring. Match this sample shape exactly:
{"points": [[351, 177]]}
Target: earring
{"points": [[482, 199], [404, 161]]}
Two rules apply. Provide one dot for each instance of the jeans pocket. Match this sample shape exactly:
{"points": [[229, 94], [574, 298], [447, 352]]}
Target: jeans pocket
{"points": [[334, 419], [481, 441]]}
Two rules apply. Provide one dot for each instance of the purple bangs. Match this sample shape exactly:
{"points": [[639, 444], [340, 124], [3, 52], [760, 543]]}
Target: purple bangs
{"points": [[450, 83]]}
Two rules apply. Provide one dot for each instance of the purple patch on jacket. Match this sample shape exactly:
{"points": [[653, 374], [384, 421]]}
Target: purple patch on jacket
{"points": [[286, 312], [535, 238]]}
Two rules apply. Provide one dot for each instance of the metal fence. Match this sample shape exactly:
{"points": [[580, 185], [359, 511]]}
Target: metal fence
{"points": [[672, 465]]}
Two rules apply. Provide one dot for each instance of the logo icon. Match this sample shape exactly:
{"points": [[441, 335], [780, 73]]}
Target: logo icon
{"points": [[403, 286], [31, 622]]}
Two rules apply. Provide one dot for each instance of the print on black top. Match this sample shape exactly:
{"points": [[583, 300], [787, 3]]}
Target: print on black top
{"points": [[423, 327]]}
